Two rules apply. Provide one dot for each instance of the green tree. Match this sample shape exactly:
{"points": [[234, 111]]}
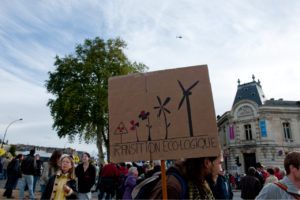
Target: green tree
{"points": [[80, 88], [12, 150]]}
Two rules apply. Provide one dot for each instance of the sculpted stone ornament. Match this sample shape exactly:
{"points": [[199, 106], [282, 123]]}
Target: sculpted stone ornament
{"points": [[245, 111]]}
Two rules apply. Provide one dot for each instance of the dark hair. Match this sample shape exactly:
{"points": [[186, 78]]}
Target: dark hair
{"points": [[128, 166], [251, 171], [32, 152], [122, 164], [271, 171], [258, 165], [146, 166], [56, 155], [86, 153], [19, 156], [195, 165], [292, 158]]}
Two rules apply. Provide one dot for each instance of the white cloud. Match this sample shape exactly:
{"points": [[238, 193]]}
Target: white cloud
{"points": [[235, 38]]}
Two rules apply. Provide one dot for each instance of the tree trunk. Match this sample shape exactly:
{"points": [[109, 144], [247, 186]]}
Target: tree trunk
{"points": [[108, 151], [100, 147]]}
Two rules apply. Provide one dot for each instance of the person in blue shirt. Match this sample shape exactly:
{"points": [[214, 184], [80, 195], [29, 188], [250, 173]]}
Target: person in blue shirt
{"points": [[222, 189]]}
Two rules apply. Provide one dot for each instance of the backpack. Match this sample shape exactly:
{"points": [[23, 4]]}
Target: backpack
{"points": [[144, 189], [10, 167]]}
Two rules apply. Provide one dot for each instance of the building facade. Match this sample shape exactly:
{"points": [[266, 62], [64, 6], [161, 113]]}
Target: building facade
{"points": [[257, 129]]}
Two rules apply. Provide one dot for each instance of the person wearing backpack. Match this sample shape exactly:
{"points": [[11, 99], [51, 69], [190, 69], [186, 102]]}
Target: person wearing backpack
{"points": [[28, 168], [130, 182], [13, 173], [289, 186], [198, 175]]}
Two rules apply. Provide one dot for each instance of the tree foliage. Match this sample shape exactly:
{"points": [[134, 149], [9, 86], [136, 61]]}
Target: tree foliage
{"points": [[12, 150], [80, 88]]}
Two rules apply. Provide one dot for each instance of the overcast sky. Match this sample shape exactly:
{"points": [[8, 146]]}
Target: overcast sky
{"points": [[235, 38]]}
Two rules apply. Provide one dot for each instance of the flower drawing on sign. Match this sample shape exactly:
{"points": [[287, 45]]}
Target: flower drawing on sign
{"points": [[134, 128], [145, 116], [120, 130], [164, 110], [186, 96]]}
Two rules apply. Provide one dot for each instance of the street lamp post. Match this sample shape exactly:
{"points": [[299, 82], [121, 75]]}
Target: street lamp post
{"points": [[7, 128]]}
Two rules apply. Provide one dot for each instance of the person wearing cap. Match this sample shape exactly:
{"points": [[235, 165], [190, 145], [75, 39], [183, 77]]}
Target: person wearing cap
{"points": [[289, 186]]}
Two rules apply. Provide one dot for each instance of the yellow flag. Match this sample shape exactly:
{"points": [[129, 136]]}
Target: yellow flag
{"points": [[76, 159], [2, 151]]}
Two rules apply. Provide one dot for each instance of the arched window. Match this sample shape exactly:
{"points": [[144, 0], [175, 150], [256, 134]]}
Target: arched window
{"points": [[248, 131], [286, 130]]}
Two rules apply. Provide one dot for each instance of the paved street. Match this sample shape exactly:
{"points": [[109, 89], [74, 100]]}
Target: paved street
{"points": [[37, 193], [16, 192], [237, 195]]}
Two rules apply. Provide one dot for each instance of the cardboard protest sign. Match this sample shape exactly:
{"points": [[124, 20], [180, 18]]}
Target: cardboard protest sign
{"points": [[162, 115]]}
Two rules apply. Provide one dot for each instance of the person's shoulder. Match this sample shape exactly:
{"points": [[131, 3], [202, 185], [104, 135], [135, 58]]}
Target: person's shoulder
{"points": [[92, 166], [270, 191], [79, 165]]}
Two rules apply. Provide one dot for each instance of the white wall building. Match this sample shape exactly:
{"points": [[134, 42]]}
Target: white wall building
{"points": [[258, 130]]}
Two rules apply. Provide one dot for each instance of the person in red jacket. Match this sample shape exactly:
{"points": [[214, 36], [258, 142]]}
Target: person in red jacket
{"points": [[123, 170], [109, 180], [232, 181], [277, 173]]}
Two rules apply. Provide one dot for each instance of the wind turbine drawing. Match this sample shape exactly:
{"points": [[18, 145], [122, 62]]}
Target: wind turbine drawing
{"points": [[186, 94], [163, 109]]}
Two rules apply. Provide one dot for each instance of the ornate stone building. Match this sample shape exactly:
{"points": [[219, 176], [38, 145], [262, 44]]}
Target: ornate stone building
{"points": [[257, 129]]}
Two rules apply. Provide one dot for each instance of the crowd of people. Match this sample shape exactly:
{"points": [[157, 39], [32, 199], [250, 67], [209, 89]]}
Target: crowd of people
{"points": [[193, 178], [58, 178]]}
